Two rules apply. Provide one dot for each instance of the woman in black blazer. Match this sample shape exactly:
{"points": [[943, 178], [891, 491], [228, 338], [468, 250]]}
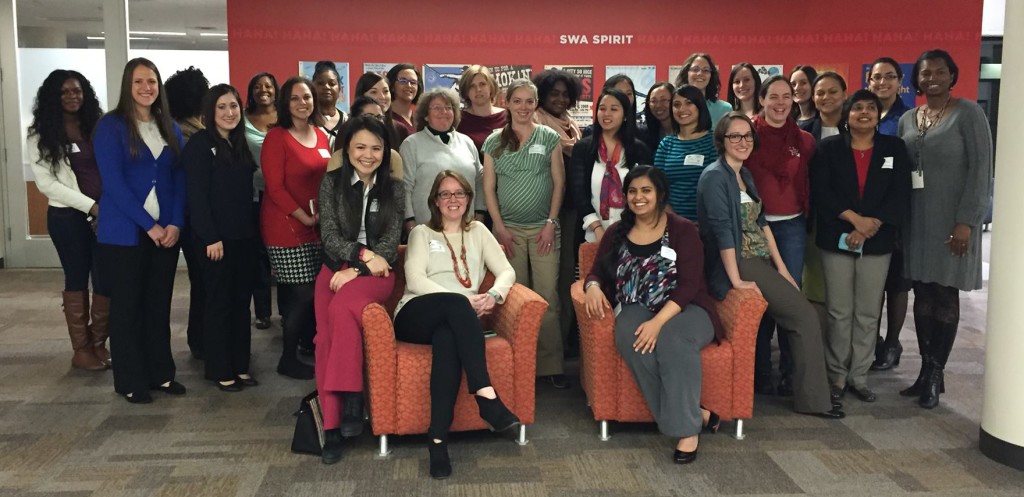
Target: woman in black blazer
{"points": [[860, 191], [612, 147]]}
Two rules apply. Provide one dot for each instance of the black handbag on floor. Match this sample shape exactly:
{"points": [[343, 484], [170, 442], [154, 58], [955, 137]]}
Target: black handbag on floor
{"points": [[309, 427]]}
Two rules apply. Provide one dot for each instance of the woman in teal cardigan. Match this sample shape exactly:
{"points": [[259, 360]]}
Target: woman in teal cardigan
{"points": [[143, 204]]}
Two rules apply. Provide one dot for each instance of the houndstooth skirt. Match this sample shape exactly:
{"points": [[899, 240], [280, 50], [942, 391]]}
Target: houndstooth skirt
{"points": [[296, 265]]}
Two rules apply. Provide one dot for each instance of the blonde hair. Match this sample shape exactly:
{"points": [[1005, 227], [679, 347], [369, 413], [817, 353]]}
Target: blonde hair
{"points": [[466, 81]]}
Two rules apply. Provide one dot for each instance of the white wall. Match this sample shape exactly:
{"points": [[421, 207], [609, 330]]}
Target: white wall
{"points": [[992, 17], [37, 63]]}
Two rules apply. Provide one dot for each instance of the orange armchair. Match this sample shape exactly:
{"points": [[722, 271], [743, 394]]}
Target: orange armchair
{"points": [[398, 373], [727, 385]]}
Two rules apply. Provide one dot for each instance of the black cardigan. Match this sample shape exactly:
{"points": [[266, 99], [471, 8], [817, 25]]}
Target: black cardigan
{"points": [[581, 166], [219, 189], [833, 178]]}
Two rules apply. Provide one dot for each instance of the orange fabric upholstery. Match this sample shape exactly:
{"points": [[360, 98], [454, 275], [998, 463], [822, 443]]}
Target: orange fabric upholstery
{"points": [[727, 385], [398, 373]]}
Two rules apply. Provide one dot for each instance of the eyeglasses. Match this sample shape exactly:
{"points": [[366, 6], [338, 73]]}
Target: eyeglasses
{"points": [[700, 70], [736, 137], [878, 78], [379, 117], [441, 108], [407, 81], [460, 194]]}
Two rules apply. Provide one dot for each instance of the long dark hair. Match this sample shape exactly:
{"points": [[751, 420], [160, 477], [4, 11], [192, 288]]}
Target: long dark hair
{"points": [[733, 100], [619, 78], [363, 85], [694, 95], [626, 133], [48, 116], [235, 146], [250, 98], [607, 265], [158, 111], [383, 192], [284, 114]]}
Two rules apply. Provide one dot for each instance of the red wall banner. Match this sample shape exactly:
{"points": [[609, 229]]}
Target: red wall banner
{"points": [[273, 35]]}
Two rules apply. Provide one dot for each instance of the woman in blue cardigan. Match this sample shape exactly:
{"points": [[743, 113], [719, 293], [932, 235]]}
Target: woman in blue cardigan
{"points": [[143, 204]]}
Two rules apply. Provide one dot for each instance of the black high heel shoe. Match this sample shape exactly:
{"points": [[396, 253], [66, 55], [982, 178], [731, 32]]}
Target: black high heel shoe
{"points": [[440, 462], [494, 412], [889, 358], [713, 424]]}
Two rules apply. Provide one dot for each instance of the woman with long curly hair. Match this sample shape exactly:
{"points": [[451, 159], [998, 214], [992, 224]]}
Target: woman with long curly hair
{"points": [[63, 119]]}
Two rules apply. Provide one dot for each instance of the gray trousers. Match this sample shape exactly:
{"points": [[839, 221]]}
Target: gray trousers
{"points": [[853, 290], [669, 377], [795, 315]]}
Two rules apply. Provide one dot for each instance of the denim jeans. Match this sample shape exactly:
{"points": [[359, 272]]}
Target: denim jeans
{"points": [[75, 243], [791, 239]]}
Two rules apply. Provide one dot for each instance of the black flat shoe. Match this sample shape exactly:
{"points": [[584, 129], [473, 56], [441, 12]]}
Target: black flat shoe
{"points": [[833, 414], [234, 386], [138, 398], [331, 452], [247, 382], [172, 388], [558, 381], [713, 424], [836, 404], [440, 462], [864, 394], [680, 457], [497, 416], [262, 323]]}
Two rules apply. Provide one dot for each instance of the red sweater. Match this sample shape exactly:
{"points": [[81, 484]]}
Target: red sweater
{"points": [[293, 173], [779, 167], [479, 128]]}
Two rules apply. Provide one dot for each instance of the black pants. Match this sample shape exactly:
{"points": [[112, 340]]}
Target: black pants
{"points": [[228, 285], [75, 243], [261, 281], [142, 280], [298, 316], [197, 295], [449, 324]]}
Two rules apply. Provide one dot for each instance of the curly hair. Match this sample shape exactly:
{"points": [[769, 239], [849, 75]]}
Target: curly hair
{"points": [[48, 116], [545, 82], [185, 90], [714, 80]]}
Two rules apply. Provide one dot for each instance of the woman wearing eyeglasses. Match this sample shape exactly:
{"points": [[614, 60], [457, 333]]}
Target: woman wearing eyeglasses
{"points": [[885, 80], [434, 148], [700, 71], [443, 304], [406, 87], [740, 252], [375, 86]]}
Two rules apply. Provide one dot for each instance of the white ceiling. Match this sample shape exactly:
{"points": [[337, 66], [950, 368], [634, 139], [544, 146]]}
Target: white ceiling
{"points": [[40, 22]]}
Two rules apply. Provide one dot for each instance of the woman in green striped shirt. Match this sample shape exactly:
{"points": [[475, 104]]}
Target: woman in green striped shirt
{"points": [[524, 181]]}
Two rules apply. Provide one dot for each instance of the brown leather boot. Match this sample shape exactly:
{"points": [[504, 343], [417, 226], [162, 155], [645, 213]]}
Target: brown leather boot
{"points": [[98, 329], [76, 313]]}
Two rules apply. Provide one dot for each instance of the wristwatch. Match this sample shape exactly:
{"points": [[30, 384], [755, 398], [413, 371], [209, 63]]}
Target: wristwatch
{"points": [[553, 221]]}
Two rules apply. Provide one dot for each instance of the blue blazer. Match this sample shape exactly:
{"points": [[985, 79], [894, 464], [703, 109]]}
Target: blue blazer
{"points": [[721, 227], [127, 181]]}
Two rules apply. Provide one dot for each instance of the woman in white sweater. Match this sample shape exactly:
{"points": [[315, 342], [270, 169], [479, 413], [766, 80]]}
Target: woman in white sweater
{"points": [[434, 148], [63, 119], [445, 262]]}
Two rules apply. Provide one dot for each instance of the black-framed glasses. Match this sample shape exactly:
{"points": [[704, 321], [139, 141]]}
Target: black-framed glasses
{"points": [[406, 81], [736, 137], [699, 70], [379, 117], [878, 78], [446, 195]]}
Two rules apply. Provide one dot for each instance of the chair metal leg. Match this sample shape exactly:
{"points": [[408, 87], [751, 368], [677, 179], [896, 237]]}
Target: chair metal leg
{"points": [[384, 451], [739, 430], [604, 436], [521, 439]]}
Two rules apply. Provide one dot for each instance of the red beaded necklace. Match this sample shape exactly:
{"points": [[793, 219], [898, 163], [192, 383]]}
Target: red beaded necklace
{"points": [[464, 280]]}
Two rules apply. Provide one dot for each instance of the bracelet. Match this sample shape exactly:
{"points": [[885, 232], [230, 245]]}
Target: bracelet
{"points": [[590, 284], [552, 221]]}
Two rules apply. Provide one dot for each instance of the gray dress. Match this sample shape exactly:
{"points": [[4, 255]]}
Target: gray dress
{"points": [[956, 159]]}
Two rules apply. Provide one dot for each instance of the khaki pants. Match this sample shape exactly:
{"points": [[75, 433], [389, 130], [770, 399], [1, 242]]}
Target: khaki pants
{"points": [[540, 273], [853, 289]]}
